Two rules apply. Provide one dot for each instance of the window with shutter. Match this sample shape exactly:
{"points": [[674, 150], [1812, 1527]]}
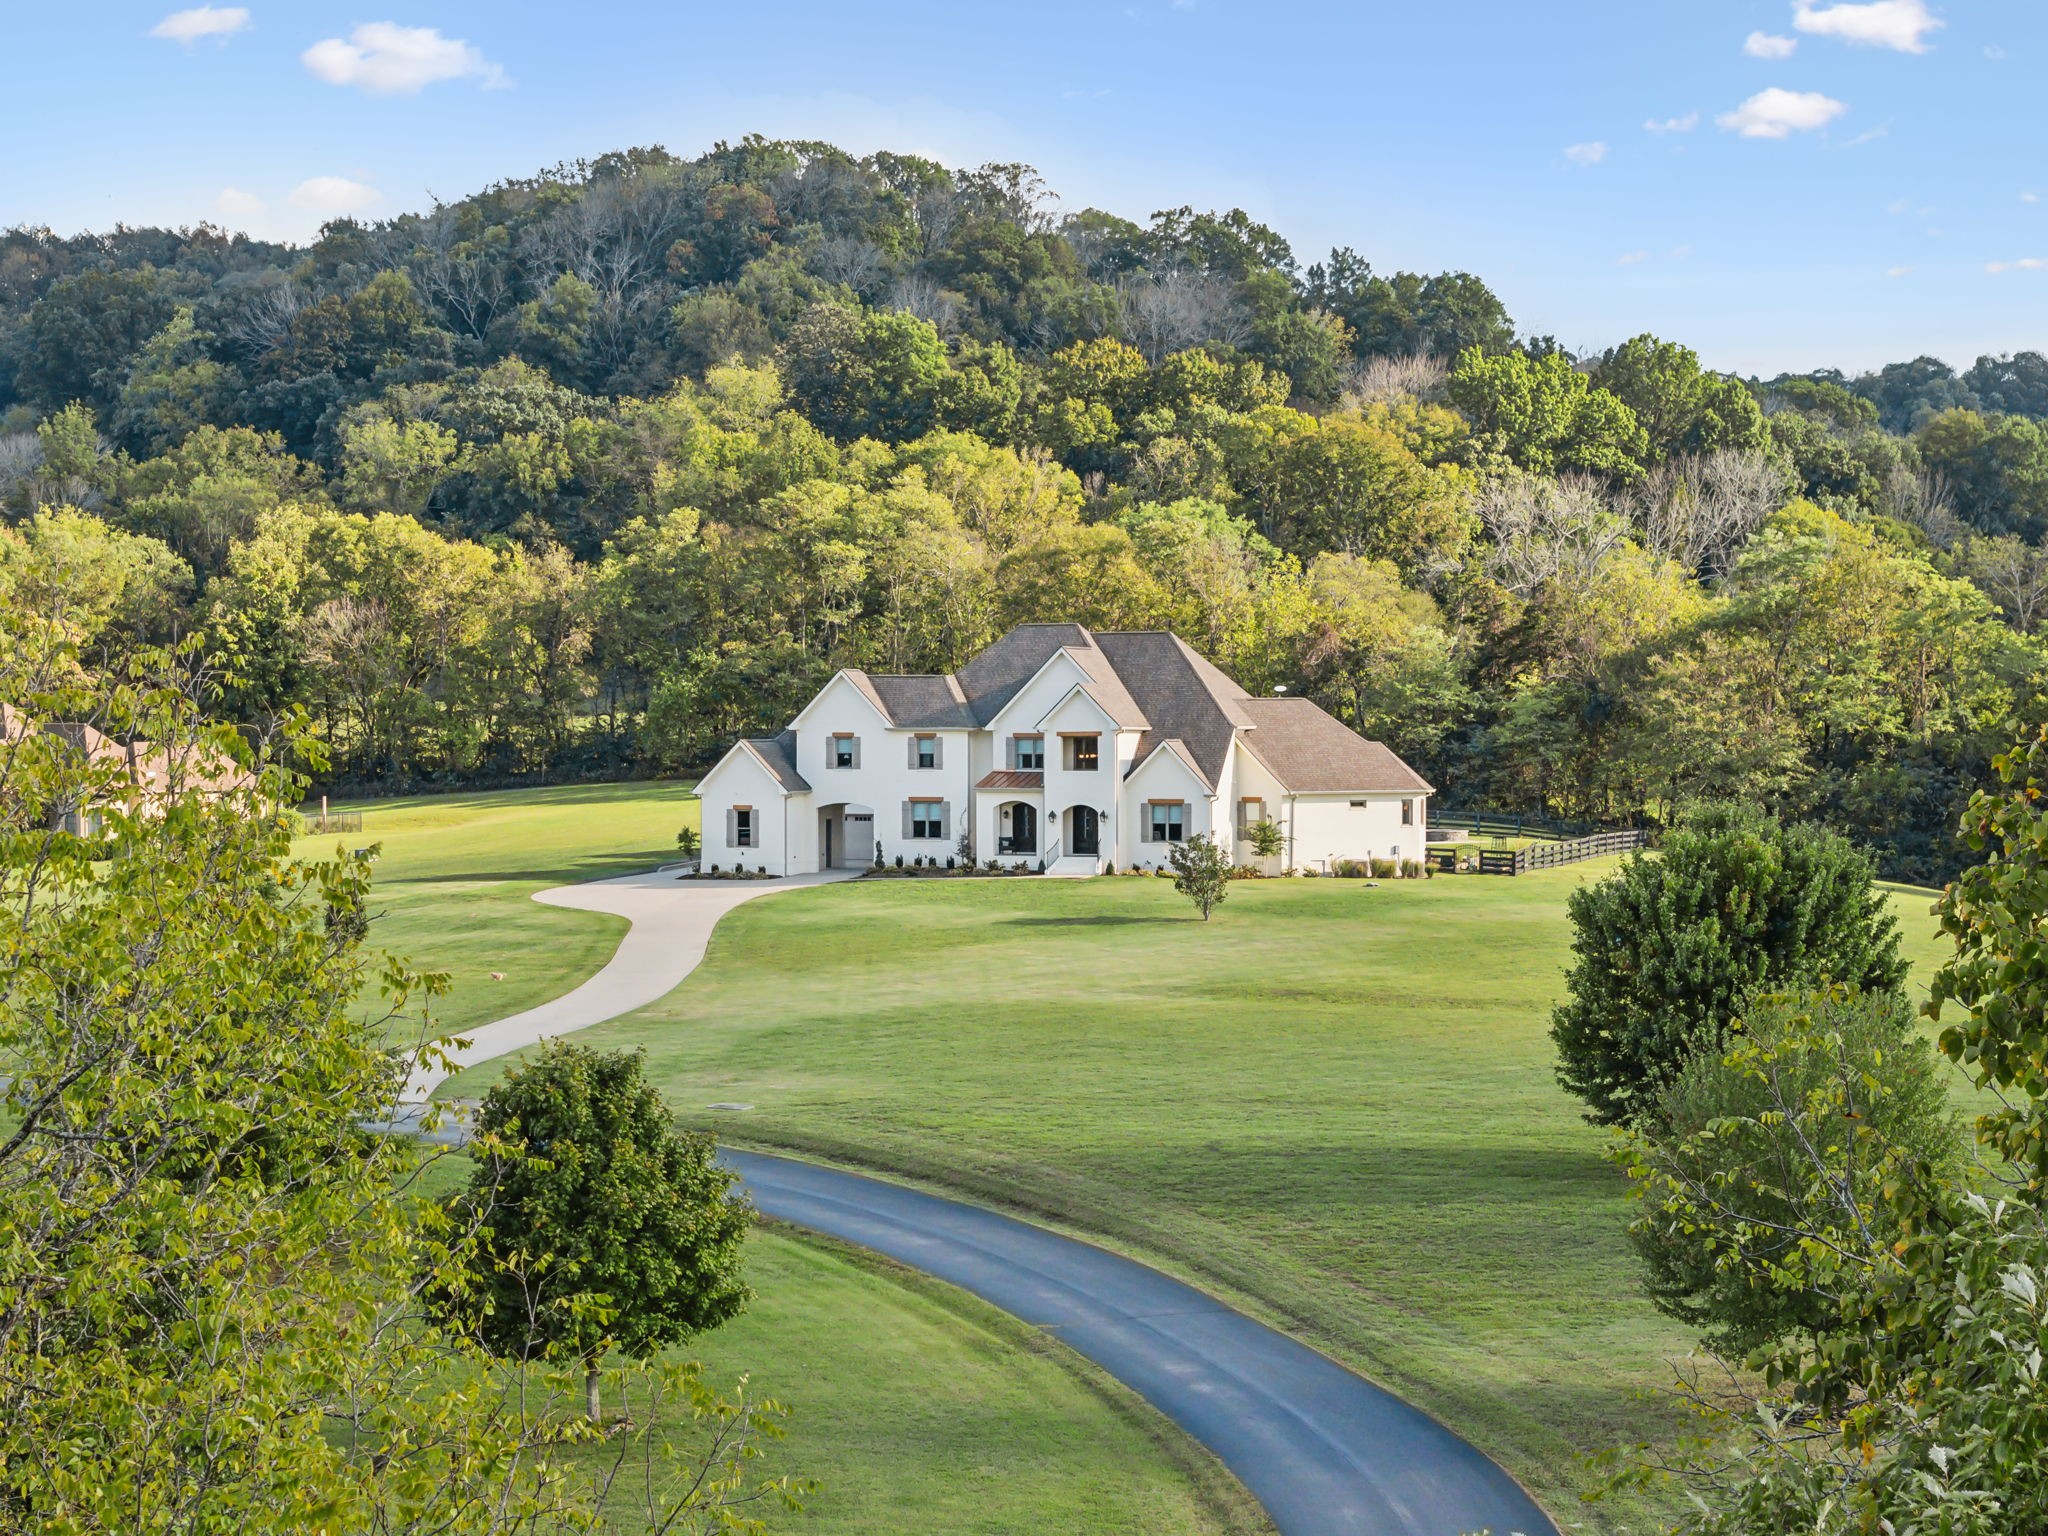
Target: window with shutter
{"points": [[844, 751]]}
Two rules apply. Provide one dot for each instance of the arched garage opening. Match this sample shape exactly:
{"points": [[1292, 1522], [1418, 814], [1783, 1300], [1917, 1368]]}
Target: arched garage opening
{"points": [[846, 836]]}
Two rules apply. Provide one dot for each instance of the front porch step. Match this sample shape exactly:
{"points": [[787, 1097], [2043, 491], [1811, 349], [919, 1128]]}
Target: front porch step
{"points": [[1073, 867]]}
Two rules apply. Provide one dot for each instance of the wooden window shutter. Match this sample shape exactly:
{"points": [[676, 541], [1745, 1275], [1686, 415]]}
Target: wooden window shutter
{"points": [[913, 751], [1013, 752], [732, 828], [906, 819], [938, 751], [856, 751], [946, 819]]}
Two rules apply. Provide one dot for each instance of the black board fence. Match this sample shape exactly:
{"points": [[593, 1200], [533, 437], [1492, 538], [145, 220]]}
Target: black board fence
{"points": [[1502, 861]]}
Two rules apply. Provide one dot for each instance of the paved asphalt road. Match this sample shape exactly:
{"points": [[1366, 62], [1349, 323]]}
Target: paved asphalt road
{"points": [[1324, 1450]]}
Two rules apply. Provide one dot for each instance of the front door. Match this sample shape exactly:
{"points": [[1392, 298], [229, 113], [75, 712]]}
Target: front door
{"points": [[1023, 829], [1087, 831]]}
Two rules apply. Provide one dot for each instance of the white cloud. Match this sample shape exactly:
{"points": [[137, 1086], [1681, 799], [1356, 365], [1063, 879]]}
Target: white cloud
{"points": [[333, 195], [221, 21], [1898, 271], [2024, 264], [1633, 258], [1768, 45], [389, 60], [1778, 113], [1586, 154], [1680, 252], [1899, 24], [2030, 197], [233, 200], [1684, 124]]}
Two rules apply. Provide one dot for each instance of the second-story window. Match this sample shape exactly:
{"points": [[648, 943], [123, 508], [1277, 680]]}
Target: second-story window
{"points": [[925, 752], [1084, 753], [1031, 753], [845, 751]]}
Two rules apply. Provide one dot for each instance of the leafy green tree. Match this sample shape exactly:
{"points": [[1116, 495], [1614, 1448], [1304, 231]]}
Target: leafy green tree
{"points": [[1681, 407], [1201, 871], [212, 1276], [1547, 416], [866, 373], [1996, 468], [173, 387], [600, 1226], [1821, 1102], [82, 334], [1669, 951]]}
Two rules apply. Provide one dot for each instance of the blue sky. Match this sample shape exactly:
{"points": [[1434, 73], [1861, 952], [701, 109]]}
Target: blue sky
{"points": [[1826, 184]]}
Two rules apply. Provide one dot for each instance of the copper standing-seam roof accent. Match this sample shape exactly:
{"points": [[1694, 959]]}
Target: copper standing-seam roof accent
{"points": [[1012, 778]]}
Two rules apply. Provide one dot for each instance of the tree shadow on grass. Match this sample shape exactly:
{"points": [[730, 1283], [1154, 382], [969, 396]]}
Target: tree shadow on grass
{"points": [[575, 869], [1102, 920]]}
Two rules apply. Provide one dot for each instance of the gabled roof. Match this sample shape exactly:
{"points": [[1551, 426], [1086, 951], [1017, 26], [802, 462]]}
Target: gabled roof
{"points": [[923, 702], [1183, 696], [1173, 746], [1313, 752], [778, 755], [992, 679]]}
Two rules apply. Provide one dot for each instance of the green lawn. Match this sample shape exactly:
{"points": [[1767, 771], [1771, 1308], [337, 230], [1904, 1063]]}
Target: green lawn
{"points": [[1334, 1104], [456, 875], [919, 1408], [913, 1402]]}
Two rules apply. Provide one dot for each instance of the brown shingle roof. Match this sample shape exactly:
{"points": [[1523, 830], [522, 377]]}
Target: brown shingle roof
{"points": [[1312, 752], [1184, 698], [778, 756], [992, 679], [927, 702]]}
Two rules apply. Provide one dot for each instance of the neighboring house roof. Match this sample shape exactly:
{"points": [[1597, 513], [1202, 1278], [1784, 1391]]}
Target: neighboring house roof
{"points": [[778, 756], [1185, 698], [1012, 778], [154, 770], [1313, 752]]}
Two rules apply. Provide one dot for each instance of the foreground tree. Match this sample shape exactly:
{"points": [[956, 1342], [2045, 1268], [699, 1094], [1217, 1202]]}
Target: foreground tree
{"points": [[210, 1278], [600, 1226], [1671, 948], [1823, 1102], [1924, 1407], [1201, 872]]}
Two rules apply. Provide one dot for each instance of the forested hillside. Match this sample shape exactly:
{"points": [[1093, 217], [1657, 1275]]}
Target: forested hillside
{"points": [[589, 472]]}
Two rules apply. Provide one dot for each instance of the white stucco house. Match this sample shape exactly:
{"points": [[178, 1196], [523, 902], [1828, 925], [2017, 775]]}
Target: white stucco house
{"points": [[1059, 745]]}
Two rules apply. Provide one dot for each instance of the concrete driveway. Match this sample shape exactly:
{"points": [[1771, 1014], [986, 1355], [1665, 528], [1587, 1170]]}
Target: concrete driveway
{"points": [[672, 921]]}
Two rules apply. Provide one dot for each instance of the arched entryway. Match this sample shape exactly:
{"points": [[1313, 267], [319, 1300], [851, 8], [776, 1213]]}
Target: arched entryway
{"points": [[1017, 829], [1084, 832], [846, 837]]}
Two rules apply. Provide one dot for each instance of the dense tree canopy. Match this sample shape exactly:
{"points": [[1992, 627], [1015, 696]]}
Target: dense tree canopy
{"points": [[592, 470]]}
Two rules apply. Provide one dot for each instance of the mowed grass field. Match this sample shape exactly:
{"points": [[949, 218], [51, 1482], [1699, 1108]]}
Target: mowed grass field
{"points": [[913, 1404], [1334, 1104], [456, 874]]}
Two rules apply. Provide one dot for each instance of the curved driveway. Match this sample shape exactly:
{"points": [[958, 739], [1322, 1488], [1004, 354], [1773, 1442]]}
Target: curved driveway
{"points": [[671, 919], [1326, 1452]]}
